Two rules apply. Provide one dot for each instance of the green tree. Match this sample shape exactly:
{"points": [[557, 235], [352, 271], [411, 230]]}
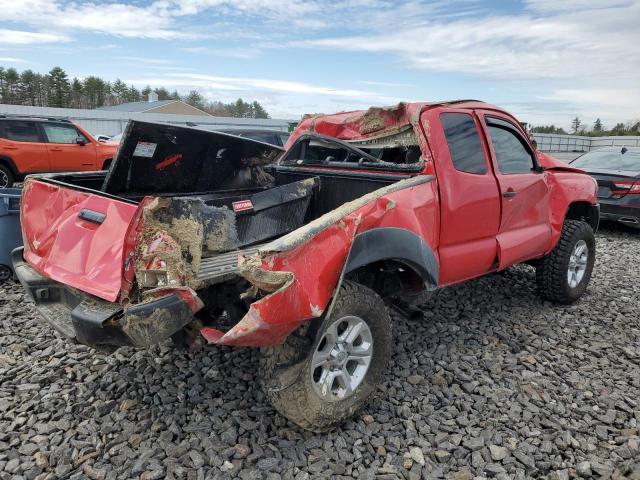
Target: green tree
{"points": [[144, 93], [59, 88], [258, 110], [194, 98], [163, 93], [619, 129], [95, 91], [10, 86], [597, 126], [575, 125], [120, 91], [77, 94]]}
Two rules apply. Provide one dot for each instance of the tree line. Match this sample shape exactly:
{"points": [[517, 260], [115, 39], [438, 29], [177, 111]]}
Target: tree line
{"points": [[55, 89], [596, 130]]}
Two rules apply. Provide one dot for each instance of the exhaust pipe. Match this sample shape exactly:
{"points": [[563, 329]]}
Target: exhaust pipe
{"points": [[631, 220]]}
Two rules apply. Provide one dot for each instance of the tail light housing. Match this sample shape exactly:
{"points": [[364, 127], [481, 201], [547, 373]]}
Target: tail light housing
{"points": [[624, 188]]}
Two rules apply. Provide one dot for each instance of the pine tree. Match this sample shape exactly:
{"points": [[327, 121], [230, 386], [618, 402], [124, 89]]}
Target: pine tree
{"points": [[575, 125], [59, 88], [597, 126]]}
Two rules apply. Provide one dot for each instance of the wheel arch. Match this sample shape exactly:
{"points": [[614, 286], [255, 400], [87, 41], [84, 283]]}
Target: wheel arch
{"points": [[398, 246], [584, 211], [8, 162], [106, 163]]}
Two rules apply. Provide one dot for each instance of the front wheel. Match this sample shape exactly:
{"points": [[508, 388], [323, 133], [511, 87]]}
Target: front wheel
{"points": [[327, 375], [6, 177], [564, 274]]}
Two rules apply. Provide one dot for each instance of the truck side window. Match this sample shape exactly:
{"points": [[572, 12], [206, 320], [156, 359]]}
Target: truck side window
{"points": [[512, 156], [464, 143]]}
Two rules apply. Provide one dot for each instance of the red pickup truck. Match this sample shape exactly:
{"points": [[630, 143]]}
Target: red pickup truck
{"points": [[206, 237]]}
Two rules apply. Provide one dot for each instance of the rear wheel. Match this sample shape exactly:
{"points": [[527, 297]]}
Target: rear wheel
{"points": [[321, 378], [5, 273], [6, 177], [564, 274]]}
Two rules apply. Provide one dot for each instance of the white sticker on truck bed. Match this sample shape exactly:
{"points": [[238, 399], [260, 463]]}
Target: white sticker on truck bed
{"points": [[145, 149]]}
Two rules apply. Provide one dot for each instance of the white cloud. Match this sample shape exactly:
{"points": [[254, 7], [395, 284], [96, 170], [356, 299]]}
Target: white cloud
{"points": [[187, 80], [19, 37], [12, 60], [118, 19], [282, 98]]}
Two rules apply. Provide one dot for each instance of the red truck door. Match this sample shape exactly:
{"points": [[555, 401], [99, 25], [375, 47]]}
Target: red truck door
{"points": [[65, 154], [469, 196], [525, 231]]}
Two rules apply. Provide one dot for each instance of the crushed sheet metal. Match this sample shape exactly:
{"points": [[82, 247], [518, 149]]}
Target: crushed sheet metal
{"points": [[303, 234], [310, 271]]}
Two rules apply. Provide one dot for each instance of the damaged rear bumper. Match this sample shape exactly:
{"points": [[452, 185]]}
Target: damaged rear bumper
{"points": [[94, 322]]}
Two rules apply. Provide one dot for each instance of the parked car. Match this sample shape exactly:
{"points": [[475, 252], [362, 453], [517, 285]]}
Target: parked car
{"points": [[617, 171], [115, 140], [212, 238], [262, 135], [31, 145]]}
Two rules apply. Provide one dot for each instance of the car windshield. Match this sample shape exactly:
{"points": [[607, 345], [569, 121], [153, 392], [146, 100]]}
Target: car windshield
{"points": [[607, 159]]}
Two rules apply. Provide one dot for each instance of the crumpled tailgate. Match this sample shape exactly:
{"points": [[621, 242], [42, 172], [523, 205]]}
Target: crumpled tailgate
{"points": [[85, 250]]}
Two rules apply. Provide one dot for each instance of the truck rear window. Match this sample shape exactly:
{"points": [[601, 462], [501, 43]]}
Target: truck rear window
{"points": [[319, 150]]}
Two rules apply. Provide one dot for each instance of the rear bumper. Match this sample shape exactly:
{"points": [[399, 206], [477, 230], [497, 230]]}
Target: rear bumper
{"points": [[85, 319], [629, 215]]}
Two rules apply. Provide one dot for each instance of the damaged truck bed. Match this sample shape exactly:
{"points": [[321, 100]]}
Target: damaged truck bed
{"points": [[205, 237]]}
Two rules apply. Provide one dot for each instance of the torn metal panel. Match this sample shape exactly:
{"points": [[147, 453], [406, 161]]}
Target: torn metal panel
{"points": [[300, 280], [305, 233], [176, 233]]}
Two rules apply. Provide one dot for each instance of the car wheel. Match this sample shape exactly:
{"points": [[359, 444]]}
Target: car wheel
{"points": [[322, 377], [564, 274], [6, 177], [5, 273]]}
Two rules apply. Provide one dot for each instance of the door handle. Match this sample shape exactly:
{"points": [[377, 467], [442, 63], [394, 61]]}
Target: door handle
{"points": [[510, 193], [56, 149]]}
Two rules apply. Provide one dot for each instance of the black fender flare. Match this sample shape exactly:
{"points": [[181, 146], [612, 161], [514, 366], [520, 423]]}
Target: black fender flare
{"points": [[393, 243]]}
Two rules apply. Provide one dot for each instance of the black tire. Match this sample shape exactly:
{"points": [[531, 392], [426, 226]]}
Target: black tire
{"points": [[6, 177], [286, 370], [5, 273], [107, 164], [551, 271]]}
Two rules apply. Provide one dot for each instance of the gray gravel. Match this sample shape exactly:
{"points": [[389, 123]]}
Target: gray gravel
{"points": [[493, 383]]}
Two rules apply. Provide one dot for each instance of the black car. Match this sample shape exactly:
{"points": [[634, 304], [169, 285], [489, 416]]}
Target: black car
{"points": [[617, 171], [262, 135]]}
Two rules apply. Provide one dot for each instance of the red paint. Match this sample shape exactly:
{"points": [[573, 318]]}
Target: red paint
{"points": [[170, 160], [242, 205], [68, 249], [467, 221]]}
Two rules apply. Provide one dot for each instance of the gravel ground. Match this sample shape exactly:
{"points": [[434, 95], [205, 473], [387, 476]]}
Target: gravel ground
{"points": [[493, 383]]}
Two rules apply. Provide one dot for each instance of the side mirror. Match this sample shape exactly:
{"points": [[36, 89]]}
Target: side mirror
{"points": [[81, 141]]}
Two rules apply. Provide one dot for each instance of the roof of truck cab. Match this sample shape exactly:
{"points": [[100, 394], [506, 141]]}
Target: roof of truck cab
{"points": [[375, 121]]}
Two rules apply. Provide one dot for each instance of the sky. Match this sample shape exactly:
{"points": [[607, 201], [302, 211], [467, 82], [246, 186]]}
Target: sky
{"points": [[546, 61]]}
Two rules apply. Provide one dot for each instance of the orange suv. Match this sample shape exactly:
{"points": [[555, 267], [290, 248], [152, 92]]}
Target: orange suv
{"points": [[30, 145]]}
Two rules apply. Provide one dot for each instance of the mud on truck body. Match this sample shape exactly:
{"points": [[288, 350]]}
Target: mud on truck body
{"points": [[209, 238]]}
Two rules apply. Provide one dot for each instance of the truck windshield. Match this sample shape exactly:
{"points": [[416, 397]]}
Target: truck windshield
{"points": [[609, 160]]}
